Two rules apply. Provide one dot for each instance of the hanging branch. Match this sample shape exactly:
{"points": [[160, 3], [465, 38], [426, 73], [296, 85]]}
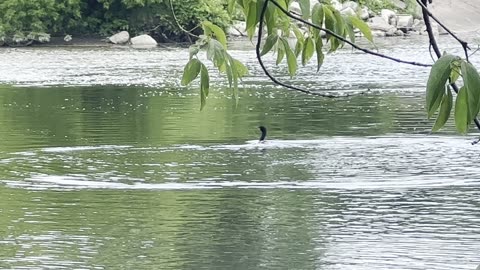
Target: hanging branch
{"points": [[295, 17], [289, 14], [275, 80], [429, 14], [436, 49], [265, 70]]}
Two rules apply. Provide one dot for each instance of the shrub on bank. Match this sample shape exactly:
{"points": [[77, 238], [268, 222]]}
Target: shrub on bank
{"points": [[40, 18]]}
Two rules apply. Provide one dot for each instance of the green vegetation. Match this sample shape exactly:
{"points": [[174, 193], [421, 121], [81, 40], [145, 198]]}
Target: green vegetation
{"points": [[25, 20], [376, 5]]}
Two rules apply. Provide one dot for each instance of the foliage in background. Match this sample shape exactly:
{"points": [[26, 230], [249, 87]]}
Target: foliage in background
{"points": [[26, 17], [376, 5]]}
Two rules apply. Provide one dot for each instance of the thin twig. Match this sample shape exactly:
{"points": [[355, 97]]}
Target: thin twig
{"points": [[286, 12], [189, 33], [462, 42], [474, 52], [271, 77]]}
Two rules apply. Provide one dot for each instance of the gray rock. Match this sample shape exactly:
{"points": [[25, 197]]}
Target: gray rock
{"points": [[389, 16], [418, 25], [378, 33], [405, 22], [336, 4], [398, 4], [143, 41], [399, 33], [391, 32], [350, 4], [378, 23], [364, 13], [120, 38], [348, 11]]}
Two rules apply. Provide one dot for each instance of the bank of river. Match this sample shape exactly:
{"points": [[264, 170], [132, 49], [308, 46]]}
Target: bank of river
{"points": [[107, 163]]}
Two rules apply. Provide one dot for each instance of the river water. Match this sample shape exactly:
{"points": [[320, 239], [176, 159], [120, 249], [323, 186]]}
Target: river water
{"points": [[107, 163]]}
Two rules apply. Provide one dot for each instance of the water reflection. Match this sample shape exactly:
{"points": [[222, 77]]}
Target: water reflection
{"points": [[241, 229]]}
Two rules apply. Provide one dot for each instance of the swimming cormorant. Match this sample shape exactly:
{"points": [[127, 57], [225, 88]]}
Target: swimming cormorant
{"points": [[264, 133]]}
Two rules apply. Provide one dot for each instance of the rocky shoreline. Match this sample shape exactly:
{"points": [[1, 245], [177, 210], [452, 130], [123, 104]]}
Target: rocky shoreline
{"points": [[386, 23]]}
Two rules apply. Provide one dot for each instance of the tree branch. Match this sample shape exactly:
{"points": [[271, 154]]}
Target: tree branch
{"points": [[427, 12], [286, 12], [434, 45], [271, 77]]}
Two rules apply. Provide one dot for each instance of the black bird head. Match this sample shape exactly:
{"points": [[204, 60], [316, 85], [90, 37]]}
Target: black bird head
{"points": [[264, 133]]}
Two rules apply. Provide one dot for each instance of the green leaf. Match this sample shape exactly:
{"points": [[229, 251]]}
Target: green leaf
{"points": [[363, 27], [241, 69], [193, 50], [291, 59], [445, 109], [329, 20], [339, 22], [298, 48], [298, 33], [269, 43], [320, 55], [455, 72], [461, 111], [439, 75], [305, 8], [270, 15], [251, 19], [317, 18], [216, 53], [471, 81], [308, 50], [235, 72], [229, 72], [191, 70], [280, 54], [218, 32], [349, 29], [204, 86]]}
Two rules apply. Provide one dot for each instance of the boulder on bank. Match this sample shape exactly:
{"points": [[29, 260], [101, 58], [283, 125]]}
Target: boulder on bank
{"points": [[399, 4], [336, 4], [348, 11], [405, 22], [350, 4], [120, 38], [143, 41], [364, 13], [378, 23], [389, 16]]}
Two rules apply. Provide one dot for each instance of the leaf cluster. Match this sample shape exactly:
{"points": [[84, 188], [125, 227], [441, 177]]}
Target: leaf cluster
{"points": [[447, 70], [214, 43]]}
